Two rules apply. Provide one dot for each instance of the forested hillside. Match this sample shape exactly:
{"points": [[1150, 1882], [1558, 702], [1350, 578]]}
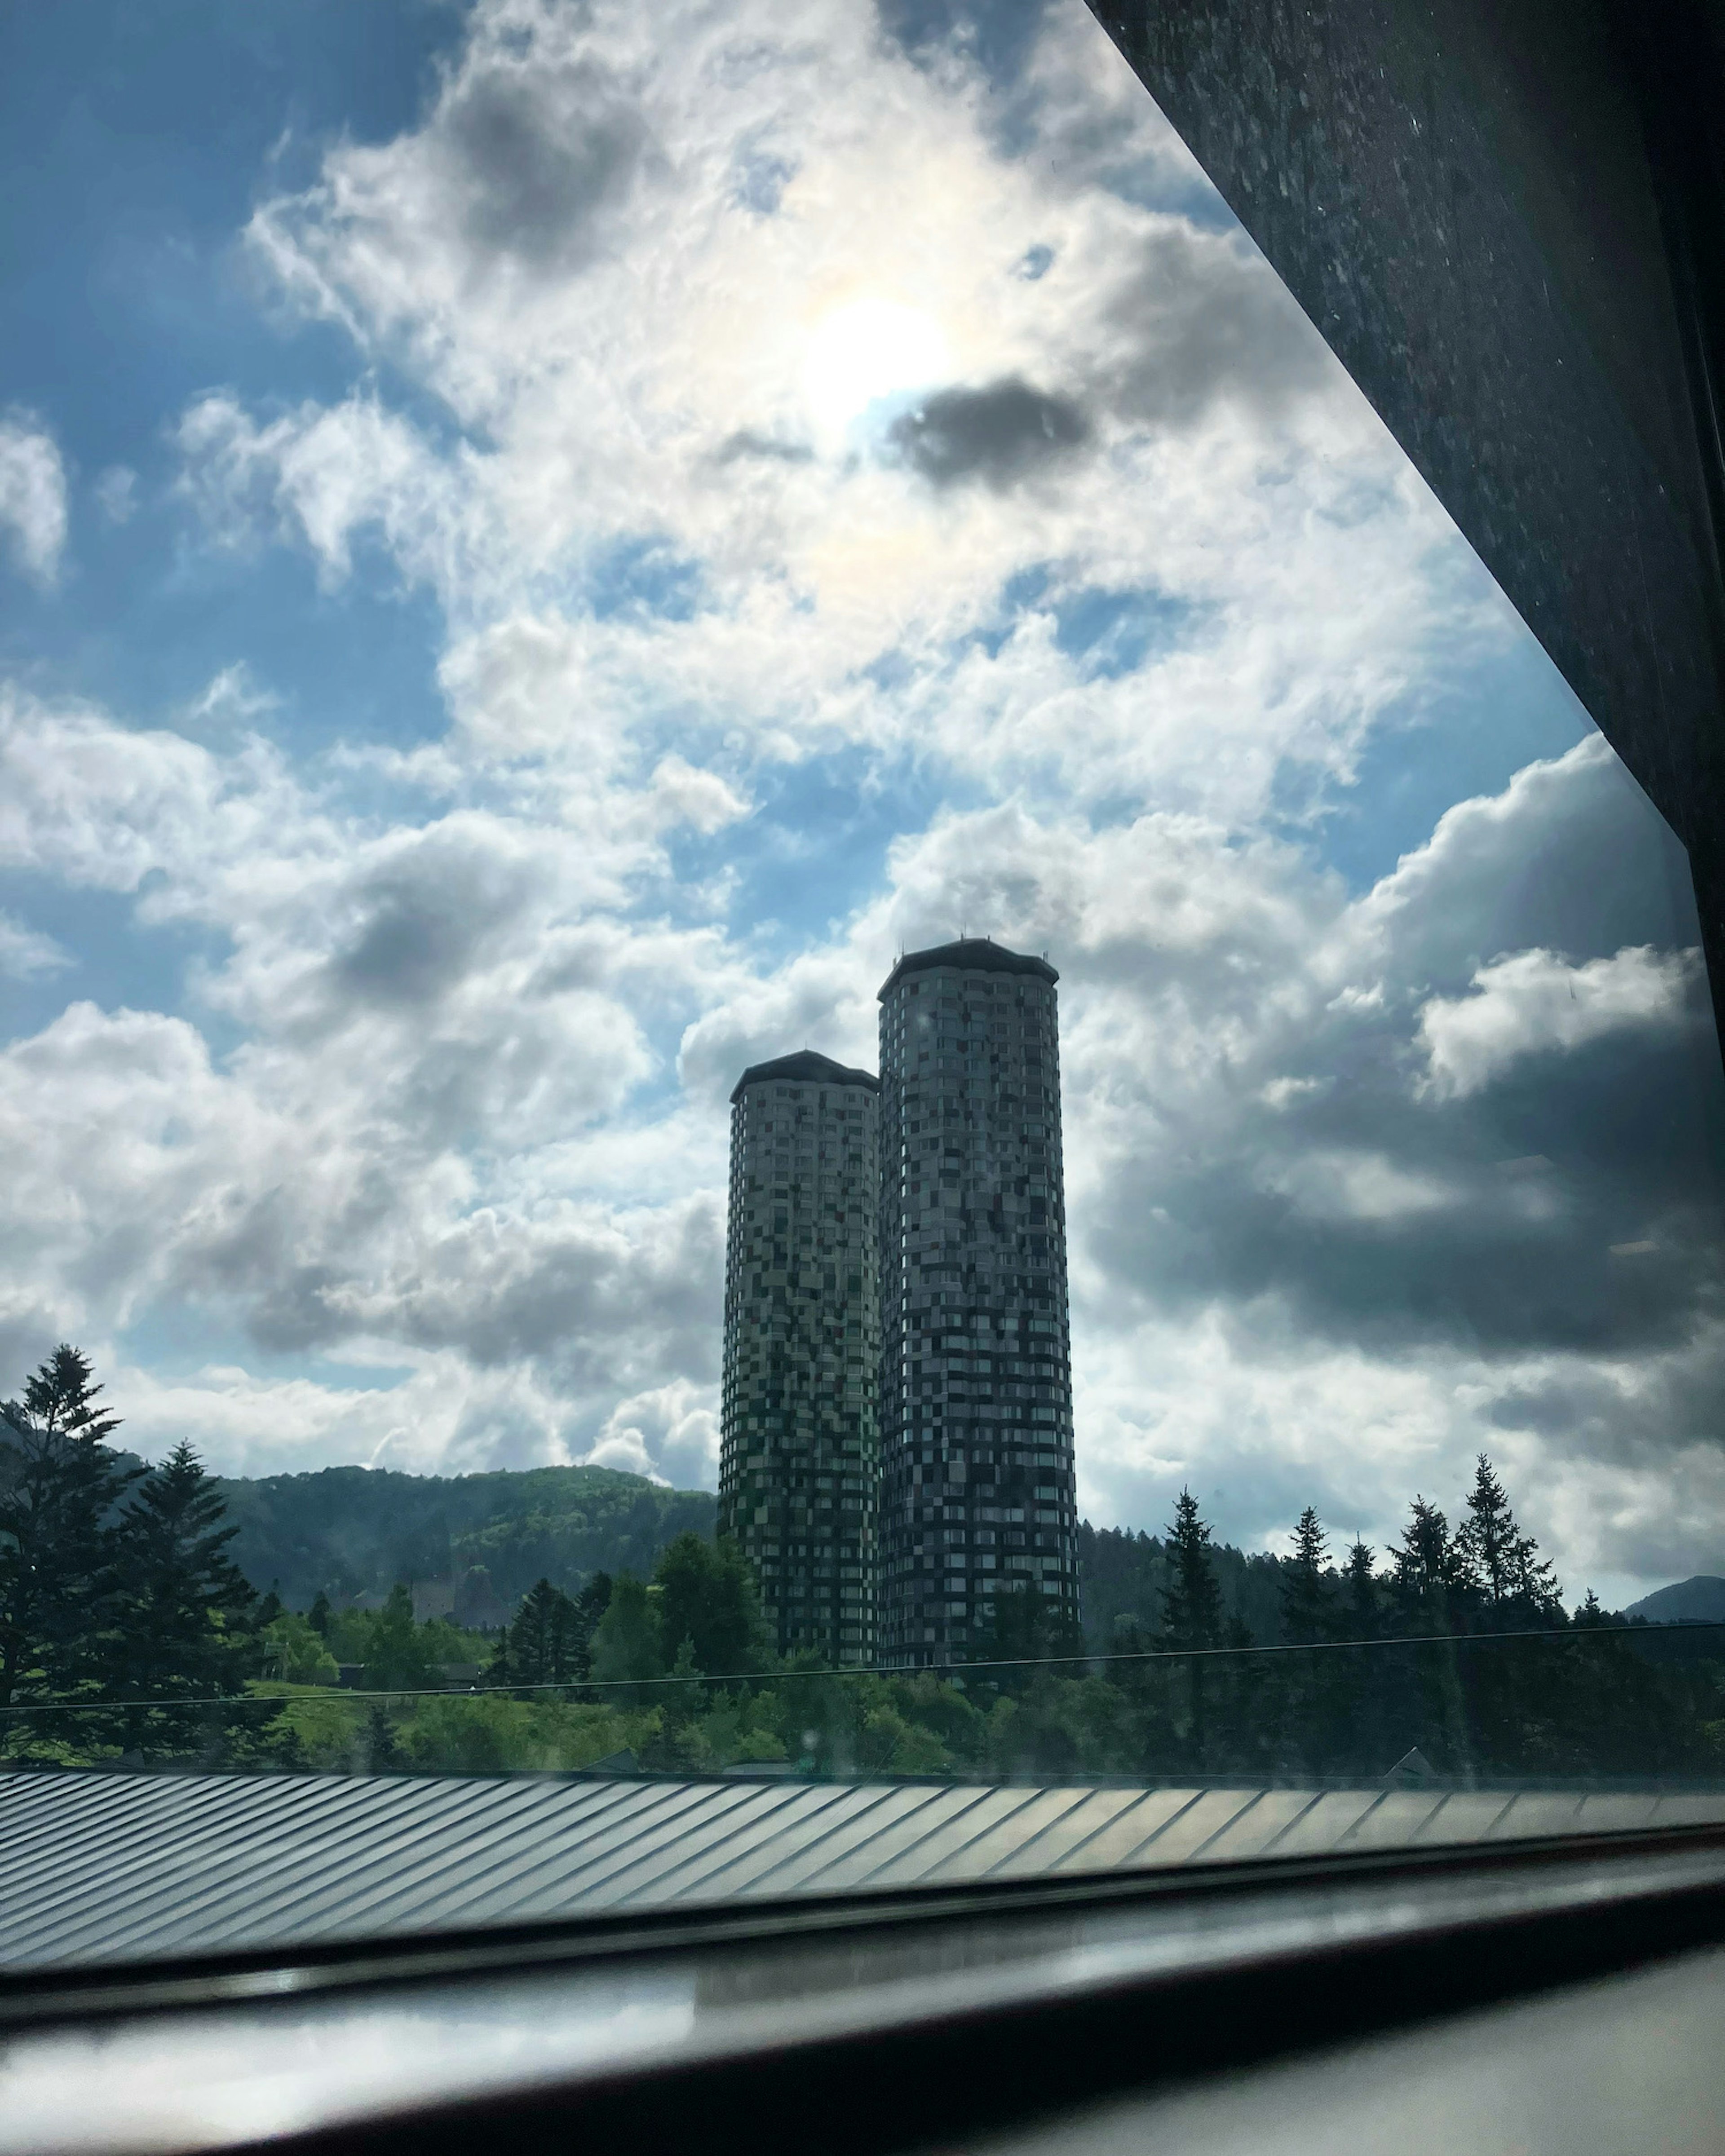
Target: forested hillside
{"points": [[352, 1532], [1123, 1577], [129, 1634], [472, 1545]]}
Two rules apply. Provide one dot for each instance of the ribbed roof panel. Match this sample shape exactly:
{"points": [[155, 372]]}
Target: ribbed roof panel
{"points": [[114, 1867]]}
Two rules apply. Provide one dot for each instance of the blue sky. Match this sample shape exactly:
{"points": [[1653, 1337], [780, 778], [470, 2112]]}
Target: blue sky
{"points": [[539, 545]]}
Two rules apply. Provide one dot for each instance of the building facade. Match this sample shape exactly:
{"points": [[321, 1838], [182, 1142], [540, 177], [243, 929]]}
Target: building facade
{"points": [[978, 1492], [799, 1457]]}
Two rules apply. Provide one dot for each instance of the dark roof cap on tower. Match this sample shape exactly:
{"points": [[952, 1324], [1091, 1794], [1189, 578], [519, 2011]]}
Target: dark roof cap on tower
{"points": [[974, 954], [805, 1068]]}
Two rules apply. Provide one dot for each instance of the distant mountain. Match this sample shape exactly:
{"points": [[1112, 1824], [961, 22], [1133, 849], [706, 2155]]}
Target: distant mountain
{"points": [[1698, 1601], [351, 1533]]}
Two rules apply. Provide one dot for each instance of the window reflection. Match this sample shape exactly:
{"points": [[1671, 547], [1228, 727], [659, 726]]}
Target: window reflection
{"points": [[800, 982]]}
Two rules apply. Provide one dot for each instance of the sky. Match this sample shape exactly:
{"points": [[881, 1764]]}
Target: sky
{"points": [[541, 544]]}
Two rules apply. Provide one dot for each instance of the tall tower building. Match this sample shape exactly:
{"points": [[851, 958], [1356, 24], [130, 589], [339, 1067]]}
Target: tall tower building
{"points": [[976, 1383], [799, 1455]]}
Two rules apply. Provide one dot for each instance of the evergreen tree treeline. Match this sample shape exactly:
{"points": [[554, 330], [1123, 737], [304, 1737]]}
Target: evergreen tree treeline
{"points": [[121, 1603], [116, 1584]]}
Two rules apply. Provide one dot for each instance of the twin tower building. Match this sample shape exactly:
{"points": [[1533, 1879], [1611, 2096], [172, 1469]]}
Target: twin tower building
{"points": [[897, 1411]]}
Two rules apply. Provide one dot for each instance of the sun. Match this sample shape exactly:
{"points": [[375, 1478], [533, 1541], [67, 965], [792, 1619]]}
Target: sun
{"points": [[865, 350]]}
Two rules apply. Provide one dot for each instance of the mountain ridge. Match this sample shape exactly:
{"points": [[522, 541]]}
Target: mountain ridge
{"points": [[351, 1532], [1699, 1599]]}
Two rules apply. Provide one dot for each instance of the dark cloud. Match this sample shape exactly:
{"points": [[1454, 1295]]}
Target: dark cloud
{"points": [[28, 1335], [1198, 319], [999, 36], [424, 923], [282, 1260], [1000, 434], [413, 948], [1572, 858], [540, 154], [583, 1302], [590, 1308], [1630, 1416], [1571, 1204], [745, 444], [1368, 1227]]}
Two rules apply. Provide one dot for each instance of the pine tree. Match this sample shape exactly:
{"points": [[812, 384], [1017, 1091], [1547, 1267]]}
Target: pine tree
{"points": [[1433, 1588], [1502, 1558], [188, 1607], [543, 1642], [60, 1483], [1359, 1579], [707, 1594], [501, 1669], [1025, 1628], [591, 1604], [318, 1615], [186, 1628], [1591, 1614], [550, 1640], [675, 1748], [1192, 1614], [384, 1754], [1192, 1601], [1308, 1597], [626, 1642], [1433, 1573], [396, 1660], [685, 1700]]}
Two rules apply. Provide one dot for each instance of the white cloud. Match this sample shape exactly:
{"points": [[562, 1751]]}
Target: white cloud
{"points": [[322, 477], [698, 798], [1346, 1184], [33, 495], [1534, 1002], [25, 952], [231, 698], [633, 356], [117, 493], [670, 1433], [94, 803], [440, 1142]]}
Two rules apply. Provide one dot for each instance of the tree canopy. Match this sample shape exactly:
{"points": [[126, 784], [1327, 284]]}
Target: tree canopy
{"points": [[130, 1631]]}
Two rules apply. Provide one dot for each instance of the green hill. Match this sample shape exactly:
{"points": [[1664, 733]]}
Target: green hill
{"points": [[352, 1532]]}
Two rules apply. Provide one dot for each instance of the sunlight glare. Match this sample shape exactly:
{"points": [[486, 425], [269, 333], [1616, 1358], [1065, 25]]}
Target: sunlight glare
{"points": [[868, 349]]}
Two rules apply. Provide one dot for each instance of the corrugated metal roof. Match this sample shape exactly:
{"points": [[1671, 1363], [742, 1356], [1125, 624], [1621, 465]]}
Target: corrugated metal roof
{"points": [[101, 1867]]}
